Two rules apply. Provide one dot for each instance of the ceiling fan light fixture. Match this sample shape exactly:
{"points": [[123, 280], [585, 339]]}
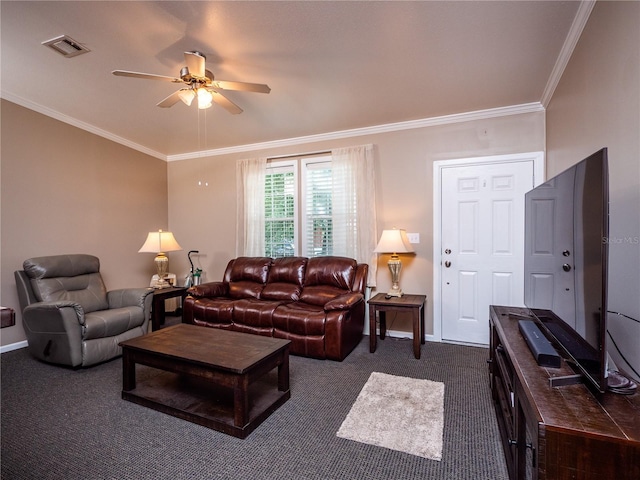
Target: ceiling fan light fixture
{"points": [[187, 96], [205, 98]]}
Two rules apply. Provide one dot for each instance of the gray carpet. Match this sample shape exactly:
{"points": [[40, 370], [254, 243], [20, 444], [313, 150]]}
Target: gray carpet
{"points": [[63, 424]]}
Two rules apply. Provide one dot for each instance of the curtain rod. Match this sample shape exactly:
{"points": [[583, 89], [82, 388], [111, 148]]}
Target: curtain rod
{"points": [[297, 155]]}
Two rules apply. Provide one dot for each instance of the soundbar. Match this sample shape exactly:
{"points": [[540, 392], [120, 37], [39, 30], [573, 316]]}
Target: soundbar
{"points": [[540, 347]]}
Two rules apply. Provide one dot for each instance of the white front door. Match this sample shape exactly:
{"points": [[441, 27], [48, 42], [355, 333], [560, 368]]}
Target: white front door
{"points": [[549, 247], [482, 244]]}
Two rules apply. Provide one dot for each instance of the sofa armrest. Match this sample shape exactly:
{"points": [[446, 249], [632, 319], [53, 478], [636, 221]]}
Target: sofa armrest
{"points": [[43, 316], [128, 297], [54, 331], [210, 289], [344, 302]]}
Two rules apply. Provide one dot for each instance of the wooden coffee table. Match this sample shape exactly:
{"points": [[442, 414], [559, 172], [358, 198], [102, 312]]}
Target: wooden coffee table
{"points": [[216, 378]]}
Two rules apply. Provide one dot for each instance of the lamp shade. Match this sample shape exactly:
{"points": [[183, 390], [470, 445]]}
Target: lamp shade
{"points": [[187, 96], [160, 241], [394, 241]]}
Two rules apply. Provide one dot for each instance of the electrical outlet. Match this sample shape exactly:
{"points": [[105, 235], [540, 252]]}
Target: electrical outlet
{"points": [[413, 237]]}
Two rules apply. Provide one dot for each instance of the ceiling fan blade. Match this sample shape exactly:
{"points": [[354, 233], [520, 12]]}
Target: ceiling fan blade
{"points": [[195, 63], [148, 76], [225, 103], [171, 100], [241, 86]]}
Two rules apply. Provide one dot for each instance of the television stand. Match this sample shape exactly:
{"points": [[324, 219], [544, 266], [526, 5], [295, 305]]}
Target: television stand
{"points": [[556, 433]]}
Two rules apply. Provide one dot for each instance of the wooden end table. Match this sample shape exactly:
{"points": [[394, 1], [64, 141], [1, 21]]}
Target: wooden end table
{"points": [[157, 307], [215, 378], [380, 305]]}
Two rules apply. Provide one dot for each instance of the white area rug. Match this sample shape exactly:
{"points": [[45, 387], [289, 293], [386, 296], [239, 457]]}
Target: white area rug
{"points": [[400, 413]]}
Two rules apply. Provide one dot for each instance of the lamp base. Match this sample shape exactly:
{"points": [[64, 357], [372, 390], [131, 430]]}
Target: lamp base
{"points": [[162, 262], [159, 284], [395, 265], [394, 293]]}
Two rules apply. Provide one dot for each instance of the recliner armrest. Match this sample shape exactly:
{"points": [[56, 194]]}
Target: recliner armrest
{"points": [[54, 331], [210, 289], [128, 297], [344, 302], [50, 312]]}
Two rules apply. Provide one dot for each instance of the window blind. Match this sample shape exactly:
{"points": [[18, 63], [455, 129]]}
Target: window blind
{"points": [[317, 213], [280, 192]]}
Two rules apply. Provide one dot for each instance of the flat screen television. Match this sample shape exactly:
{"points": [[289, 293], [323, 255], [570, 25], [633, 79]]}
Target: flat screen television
{"points": [[566, 252]]}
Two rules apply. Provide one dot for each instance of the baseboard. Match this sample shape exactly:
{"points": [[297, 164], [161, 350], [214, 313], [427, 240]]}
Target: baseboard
{"points": [[13, 346]]}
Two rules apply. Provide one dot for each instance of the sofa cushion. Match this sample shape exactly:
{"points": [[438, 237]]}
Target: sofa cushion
{"points": [[61, 266], [320, 294], [218, 311], [327, 278], [247, 276], [253, 312], [74, 278], [336, 272], [288, 270], [299, 318], [245, 289], [251, 269], [285, 279], [108, 323]]}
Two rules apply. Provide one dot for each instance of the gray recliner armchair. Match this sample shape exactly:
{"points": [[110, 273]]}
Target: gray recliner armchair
{"points": [[68, 315]]}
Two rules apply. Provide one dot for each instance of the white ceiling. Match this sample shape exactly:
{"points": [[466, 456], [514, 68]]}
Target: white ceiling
{"points": [[331, 66]]}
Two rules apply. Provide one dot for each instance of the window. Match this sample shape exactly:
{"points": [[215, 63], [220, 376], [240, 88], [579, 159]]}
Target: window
{"points": [[280, 210], [298, 215], [310, 206]]}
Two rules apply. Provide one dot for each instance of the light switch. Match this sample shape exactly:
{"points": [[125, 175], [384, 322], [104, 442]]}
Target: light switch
{"points": [[413, 237]]}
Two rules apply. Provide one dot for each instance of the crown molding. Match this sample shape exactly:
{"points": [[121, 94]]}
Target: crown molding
{"points": [[579, 22], [377, 129], [356, 132], [80, 124]]}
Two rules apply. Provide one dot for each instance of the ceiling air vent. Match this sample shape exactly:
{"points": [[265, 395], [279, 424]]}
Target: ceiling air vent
{"points": [[66, 46]]}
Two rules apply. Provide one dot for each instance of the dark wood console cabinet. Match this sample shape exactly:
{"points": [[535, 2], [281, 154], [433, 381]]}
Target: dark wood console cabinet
{"points": [[557, 433]]}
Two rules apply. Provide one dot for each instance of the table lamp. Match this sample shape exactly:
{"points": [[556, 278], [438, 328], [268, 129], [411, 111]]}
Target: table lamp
{"points": [[159, 243], [394, 242]]}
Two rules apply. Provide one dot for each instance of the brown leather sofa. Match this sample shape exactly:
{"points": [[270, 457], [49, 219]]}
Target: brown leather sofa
{"points": [[317, 303]]}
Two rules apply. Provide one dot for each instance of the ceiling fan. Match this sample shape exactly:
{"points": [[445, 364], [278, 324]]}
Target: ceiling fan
{"points": [[200, 85]]}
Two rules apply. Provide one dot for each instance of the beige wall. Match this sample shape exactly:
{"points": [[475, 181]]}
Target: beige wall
{"points": [[64, 190], [597, 104], [204, 218]]}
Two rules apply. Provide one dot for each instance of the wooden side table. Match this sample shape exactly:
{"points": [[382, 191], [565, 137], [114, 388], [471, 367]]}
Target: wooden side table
{"points": [[406, 303], [157, 307]]}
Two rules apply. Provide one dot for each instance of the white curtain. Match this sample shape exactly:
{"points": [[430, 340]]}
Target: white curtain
{"points": [[250, 177], [354, 206]]}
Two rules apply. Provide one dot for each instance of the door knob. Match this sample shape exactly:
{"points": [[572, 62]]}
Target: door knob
{"points": [[447, 264], [566, 267]]}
